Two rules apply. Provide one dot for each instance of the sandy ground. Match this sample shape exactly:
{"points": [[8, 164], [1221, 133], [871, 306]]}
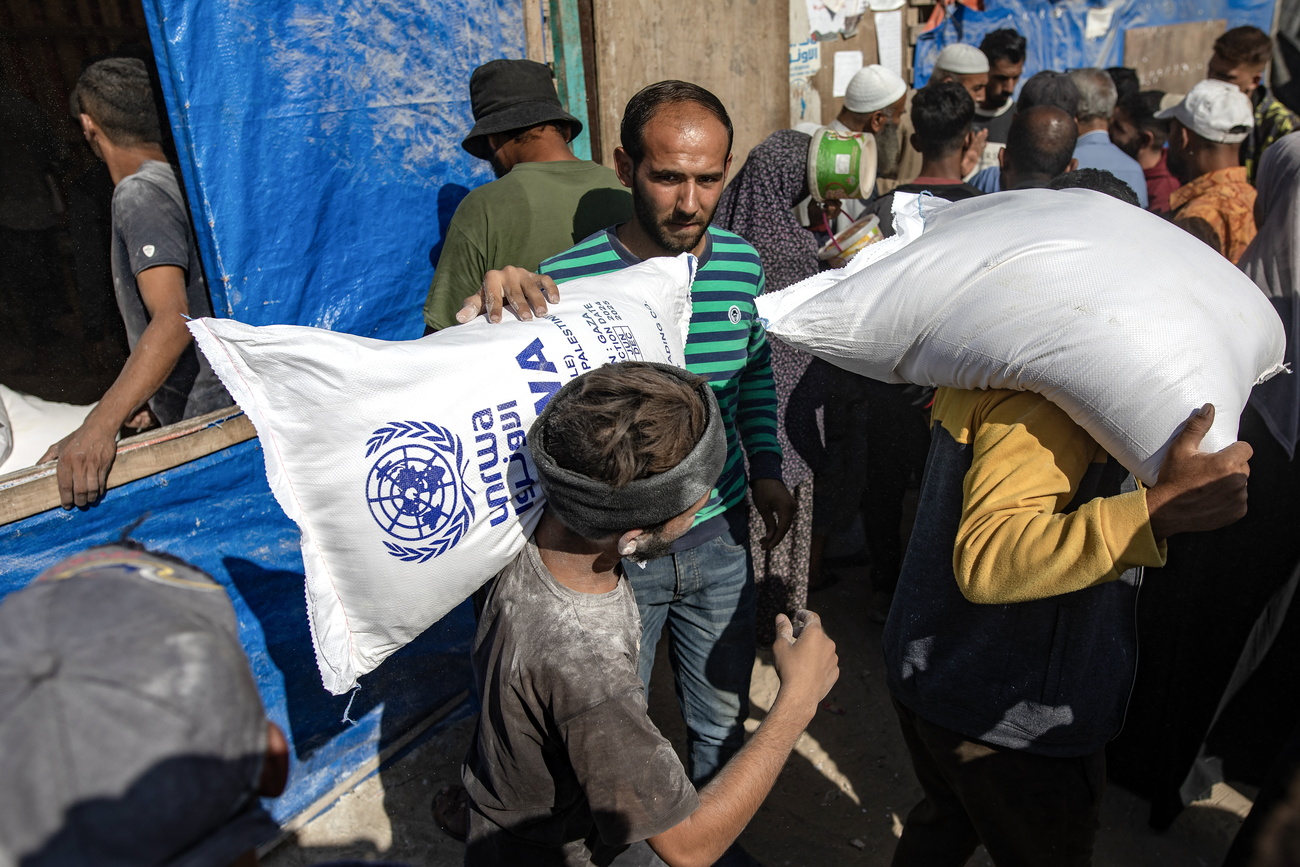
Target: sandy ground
{"points": [[840, 800]]}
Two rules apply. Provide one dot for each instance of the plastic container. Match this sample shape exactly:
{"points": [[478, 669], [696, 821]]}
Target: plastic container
{"points": [[841, 165], [851, 241]]}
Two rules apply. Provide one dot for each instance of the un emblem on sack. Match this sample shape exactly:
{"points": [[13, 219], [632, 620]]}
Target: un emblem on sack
{"points": [[416, 490]]}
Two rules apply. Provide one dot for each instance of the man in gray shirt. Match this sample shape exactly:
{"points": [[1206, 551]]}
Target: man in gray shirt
{"points": [[566, 767], [157, 277]]}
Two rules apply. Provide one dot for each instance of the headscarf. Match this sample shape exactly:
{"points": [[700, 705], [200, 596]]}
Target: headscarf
{"points": [[1273, 261], [758, 206]]}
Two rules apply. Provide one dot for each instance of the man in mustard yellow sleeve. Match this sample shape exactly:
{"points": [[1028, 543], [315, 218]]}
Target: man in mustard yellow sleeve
{"points": [[1011, 646]]}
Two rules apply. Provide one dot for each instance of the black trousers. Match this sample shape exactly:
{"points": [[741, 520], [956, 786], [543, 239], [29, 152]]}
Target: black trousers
{"points": [[1027, 810]]}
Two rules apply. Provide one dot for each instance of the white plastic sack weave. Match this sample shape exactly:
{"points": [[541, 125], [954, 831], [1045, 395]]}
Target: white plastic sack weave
{"points": [[33, 426], [1120, 318], [404, 464]]}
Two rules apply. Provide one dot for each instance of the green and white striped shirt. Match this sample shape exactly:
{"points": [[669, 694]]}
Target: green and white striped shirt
{"points": [[726, 345]]}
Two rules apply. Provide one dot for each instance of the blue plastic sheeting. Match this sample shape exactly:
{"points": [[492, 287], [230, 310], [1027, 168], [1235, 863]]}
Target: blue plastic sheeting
{"points": [[1055, 30], [320, 145], [219, 514]]}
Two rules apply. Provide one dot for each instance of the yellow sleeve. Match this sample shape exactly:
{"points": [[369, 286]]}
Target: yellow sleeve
{"points": [[1013, 545]]}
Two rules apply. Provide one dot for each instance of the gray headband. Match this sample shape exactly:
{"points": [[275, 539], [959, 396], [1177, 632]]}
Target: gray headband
{"points": [[593, 509]]}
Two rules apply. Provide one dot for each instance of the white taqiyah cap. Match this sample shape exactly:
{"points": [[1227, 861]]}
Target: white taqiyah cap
{"points": [[873, 88], [1214, 110], [962, 59]]}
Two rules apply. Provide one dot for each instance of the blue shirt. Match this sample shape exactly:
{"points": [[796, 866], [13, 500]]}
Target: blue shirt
{"points": [[1095, 151], [989, 180]]}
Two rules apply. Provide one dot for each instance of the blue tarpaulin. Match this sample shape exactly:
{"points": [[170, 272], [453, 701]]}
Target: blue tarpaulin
{"points": [[319, 141], [1056, 30], [320, 144]]}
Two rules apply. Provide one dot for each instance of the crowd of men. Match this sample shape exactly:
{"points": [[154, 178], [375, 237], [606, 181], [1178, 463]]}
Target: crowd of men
{"points": [[1008, 638]]}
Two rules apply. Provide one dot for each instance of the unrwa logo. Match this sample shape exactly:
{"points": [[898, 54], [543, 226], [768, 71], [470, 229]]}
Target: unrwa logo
{"points": [[416, 491]]}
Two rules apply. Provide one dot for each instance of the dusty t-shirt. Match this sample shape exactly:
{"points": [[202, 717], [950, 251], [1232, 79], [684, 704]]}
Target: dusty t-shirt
{"points": [[566, 767], [151, 227]]}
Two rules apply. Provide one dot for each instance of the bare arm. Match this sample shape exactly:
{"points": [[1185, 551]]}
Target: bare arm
{"points": [[808, 667], [86, 455]]}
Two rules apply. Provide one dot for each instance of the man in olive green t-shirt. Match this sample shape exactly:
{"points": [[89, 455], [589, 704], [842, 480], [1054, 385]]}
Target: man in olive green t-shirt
{"points": [[544, 200]]}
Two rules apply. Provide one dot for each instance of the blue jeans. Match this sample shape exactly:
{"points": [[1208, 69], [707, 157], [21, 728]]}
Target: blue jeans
{"points": [[705, 595]]}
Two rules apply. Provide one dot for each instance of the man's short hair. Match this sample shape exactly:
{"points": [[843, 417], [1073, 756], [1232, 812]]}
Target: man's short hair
{"points": [[118, 96], [1141, 109], [942, 115], [1099, 180], [642, 106], [625, 422], [1097, 94], [1036, 147], [1244, 45], [1005, 44], [1126, 80], [1050, 88]]}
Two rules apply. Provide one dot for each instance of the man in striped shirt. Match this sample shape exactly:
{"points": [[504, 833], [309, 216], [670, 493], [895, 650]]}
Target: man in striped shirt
{"points": [[676, 150]]}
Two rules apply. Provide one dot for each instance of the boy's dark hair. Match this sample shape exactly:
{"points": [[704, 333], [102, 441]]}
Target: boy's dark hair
{"points": [[1005, 44], [1141, 109], [117, 95], [1050, 88], [1248, 45], [1126, 80], [641, 107], [1037, 150], [1099, 180], [627, 421], [942, 115]]}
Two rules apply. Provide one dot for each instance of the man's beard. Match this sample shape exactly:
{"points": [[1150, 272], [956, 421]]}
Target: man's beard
{"points": [[674, 244], [1130, 147], [993, 103], [651, 546], [497, 168], [888, 147]]}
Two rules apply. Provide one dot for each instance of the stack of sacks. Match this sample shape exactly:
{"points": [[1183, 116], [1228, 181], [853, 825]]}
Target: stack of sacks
{"points": [[405, 464], [1121, 319]]}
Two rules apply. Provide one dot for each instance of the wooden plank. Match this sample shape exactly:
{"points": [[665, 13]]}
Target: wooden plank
{"points": [[735, 48], [362, 773], [534, 42], [1171, 57], [570, 76], [33, 490], [587, 30]]}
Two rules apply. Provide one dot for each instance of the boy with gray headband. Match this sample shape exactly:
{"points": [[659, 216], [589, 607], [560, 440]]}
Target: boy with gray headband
{"points": [[566, 767]]}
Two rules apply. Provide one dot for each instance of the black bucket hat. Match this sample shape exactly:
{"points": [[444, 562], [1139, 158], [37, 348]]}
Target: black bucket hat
{"points": [[512, 94]]}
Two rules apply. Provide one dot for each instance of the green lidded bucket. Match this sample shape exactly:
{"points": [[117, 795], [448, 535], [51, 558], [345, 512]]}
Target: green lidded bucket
{"points": [[841, 165]]}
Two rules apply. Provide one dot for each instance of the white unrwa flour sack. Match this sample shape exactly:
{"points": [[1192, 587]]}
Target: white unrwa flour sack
{"points": [[404, 464], [1120, 318]]}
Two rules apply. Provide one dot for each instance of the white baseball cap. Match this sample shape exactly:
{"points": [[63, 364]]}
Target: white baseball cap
{"points": [[962, 59], [1214, 110], [872, 88]]}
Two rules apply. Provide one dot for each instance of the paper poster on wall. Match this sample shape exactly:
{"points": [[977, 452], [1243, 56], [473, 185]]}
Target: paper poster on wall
{"points": [[834, 19], [889, 40], [1097, 24], [847, 63], [805, 102]]}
